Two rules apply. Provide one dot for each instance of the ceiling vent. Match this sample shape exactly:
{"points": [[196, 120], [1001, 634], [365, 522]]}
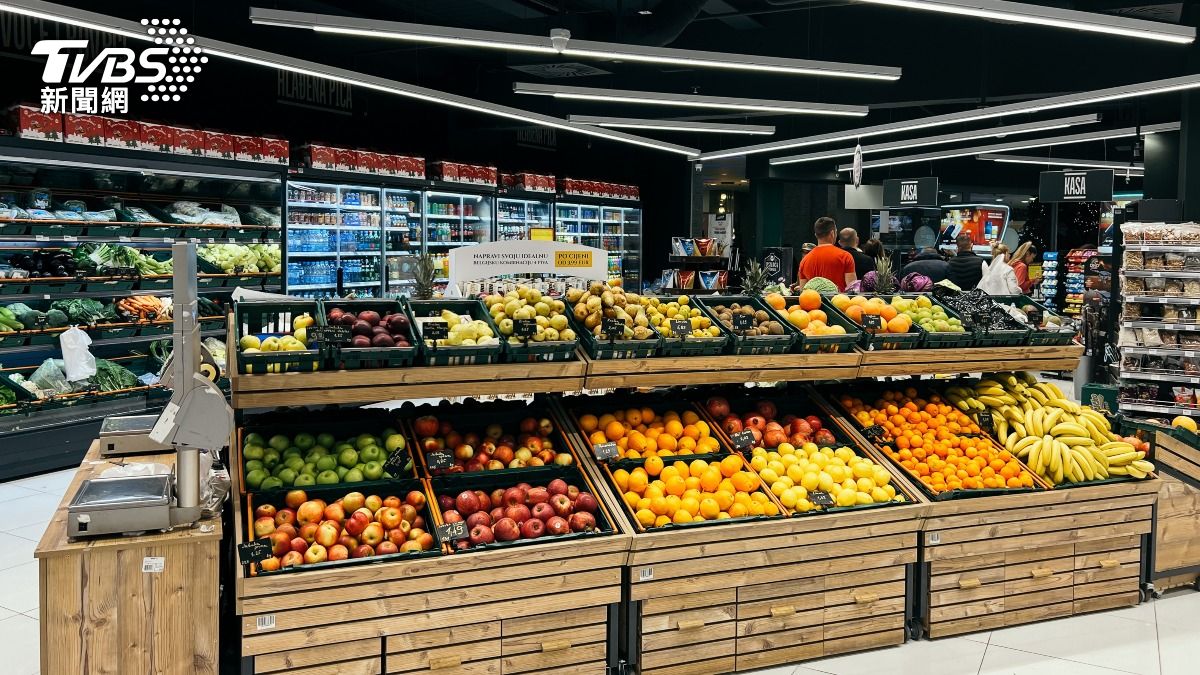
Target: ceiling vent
{"points": [[560, 70]]}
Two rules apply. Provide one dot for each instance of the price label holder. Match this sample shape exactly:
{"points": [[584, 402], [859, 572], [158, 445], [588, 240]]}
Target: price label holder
{"points": [[681, 328], [605, 451], [743, 322], [437, 461], [435, 330], [254, 551], [986, 422], [614, 329], [742, 440], [820, 498], [874, 432], [329, 335], [394, 464], [452, 531], [1036, 317], [872, 321], [525, 328]]}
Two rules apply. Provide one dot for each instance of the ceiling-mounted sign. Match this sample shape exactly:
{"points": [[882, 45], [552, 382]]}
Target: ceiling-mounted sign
{"points": [[910, 192], [1093, 185]]}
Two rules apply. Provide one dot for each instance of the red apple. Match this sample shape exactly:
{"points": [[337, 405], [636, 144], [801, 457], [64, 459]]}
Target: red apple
{"points": [[424, 541], [537, 495], [557, 486], [557, 525], [269, 565], [572, 493], [545, 427], [543, 511], [493, 431], [415, 499], [518, 512], [308, 532], [288, 529], [327, 534], [563, 459], [363, 551], [415, 534], [503, 453], [497, 513], [479, 518], [533, 528], [335, 512], [545, 456], [485, 500], [397, 536], [310, 512], [280, 543], [419, 521], [349, 542], [265, 511], [353, 502], [389, 517], [445, 502], [506, 529], [582, 521], [298, 545], [814, 422], [316, 554], [285, 517], [432, 444], [586, 502], [426, 425], [372, 503], [263, 526], [372, 535], [386, 547], [451, 516], [562, 505], [493, 465], [415, 547], [453, 439], [392, 502], [767, 409], [295, 498], [464, 452], [467, 502], [292, 559], [536, 461], [338, 552], [534, 443], [356, 523], [471, 438], [514, 496], [481, 534], [718, 407], [824, 438]]}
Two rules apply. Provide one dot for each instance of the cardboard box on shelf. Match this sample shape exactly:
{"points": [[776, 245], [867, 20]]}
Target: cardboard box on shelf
{"points": [[346, 159], [31, 122], [247, 148], [275, 150], [412, 167], [369, 162], [189, 142], [158, 137], [322, 157], [84, 129], [119, 133], [218, 145]]}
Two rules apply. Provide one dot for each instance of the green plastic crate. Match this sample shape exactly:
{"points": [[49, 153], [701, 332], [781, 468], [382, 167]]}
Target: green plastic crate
{"points": [[99, 229], [456, 355], [351, 358], [10, 228], [56, 231], [274, 317], [1039, 337], [602, 348], [693, 346], [814, 344], [750, 344]]}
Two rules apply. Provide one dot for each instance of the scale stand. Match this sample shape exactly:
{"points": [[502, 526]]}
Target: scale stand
{"points": [[196, 418]]}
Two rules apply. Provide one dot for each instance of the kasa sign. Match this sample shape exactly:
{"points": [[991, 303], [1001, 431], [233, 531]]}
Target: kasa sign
{"points": [[78, 82], [1076, 186]]}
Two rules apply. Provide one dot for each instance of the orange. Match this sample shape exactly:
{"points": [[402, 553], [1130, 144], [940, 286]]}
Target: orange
{"points": [[724, 499], [681, 517], [690, 504], [809, 300], [841, 301], [687, 445], [614, 430], [658, 506], [738, 510], [674, 428], [691, 431], [692, 482], [662, 520], [855, 312], [888, 312], [667, 442], [638, 480], [676, 486], [710, 480], [709, 508], [707, 444], [631, 498], [777, 301], [633, 417], [646, 518], [621, 478], [702, 427], [637, 441], [654, 465], [667, 473], [698, 467], [818, 316], [648, 416], [588, 423], [731, 465], [598, 437], [744, 481]]}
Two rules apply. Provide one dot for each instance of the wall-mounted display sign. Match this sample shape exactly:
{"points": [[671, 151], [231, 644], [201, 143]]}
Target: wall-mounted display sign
{"points": [[910, 192], [1093, 185]]}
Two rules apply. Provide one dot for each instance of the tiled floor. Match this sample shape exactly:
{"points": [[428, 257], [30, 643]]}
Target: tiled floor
{"points": [[1158, 638]]}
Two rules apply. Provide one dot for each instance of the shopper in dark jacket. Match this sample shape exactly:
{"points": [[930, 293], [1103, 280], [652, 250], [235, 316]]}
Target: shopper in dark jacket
{"points": [[863, 263], [928, 262], [966, 268]]}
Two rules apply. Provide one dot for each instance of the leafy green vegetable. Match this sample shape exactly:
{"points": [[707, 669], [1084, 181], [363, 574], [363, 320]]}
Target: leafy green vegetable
{"points": [[56, 318], [7, 396], [111, 376], [28, 316], [85, 310]]}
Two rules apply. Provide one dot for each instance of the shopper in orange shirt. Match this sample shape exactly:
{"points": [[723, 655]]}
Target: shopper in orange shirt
{"points": [[827, 260]]}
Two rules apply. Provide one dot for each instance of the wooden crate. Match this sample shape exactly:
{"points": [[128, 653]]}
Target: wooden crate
{"points": [[1014, 559], [1176, 534], [969, 360], [748, 596], [729, 368]]}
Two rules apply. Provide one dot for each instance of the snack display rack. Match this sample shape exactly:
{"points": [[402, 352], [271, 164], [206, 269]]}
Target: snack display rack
{"points": [[1159, 337]]}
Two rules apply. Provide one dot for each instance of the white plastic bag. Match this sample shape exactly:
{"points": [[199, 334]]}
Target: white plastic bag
{"points": [[78, 362], [999, 278]]}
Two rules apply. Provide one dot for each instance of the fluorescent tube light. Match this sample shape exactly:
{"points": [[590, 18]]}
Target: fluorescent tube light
{"points": [[108, 24], [560, 43], [1036, 105], [687, 100], [1020, 12], [1019, 145], [1136, 168], [994, 132], [671, 125]]}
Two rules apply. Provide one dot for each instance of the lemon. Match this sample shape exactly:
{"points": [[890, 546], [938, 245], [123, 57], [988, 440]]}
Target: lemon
{"points": [[847, 498], [810, 481]]}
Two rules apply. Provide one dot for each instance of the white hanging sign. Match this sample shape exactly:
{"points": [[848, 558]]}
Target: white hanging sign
{"points": [[525, 257]]}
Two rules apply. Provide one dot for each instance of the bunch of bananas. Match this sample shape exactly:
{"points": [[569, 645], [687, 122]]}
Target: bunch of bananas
{"points": [[1058, 439]]}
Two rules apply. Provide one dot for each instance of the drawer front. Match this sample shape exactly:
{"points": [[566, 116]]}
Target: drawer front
{"points": [[752, 656], [489, 667], [693, 618], [583, 659], [458, 650], [780, 621], [698, 659], [1108, 565], [689, 634], [798, 593], [846, 604], [359, 667], [561, 642], [363, 650], [1038, 583], [1031, 555]]}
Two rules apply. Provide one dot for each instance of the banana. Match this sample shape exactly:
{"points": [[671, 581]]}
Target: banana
{"points": [[1051, 418], [1054, 388], [1020, 429], [1033, 422], [1100, 421], [1026, 442], [1111, 445], [1076, 441], [1068, 429], [1123, 458], [1055, 465], [1142, 465], [1136, 472], [1033, 455], [1069, 406], [990, 391], [1014, 414], [988, 383], [1099, 437], [961, 404], [1001, 425], [992, 401], [1010, 380], [1026, 406], [1084, 464], [1100, 458], [1118, 471], [1028, 377], [1069, 470], [1007, 398], [1010, 443], [1037, 395]]}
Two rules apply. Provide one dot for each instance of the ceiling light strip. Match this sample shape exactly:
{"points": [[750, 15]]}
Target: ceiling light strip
{"points": [[672, 125], [1020, 12], [1008, 147], [687, 100], [1036, 105], [397, 30], [1136, 167], [1029, 127], [107, 24]]}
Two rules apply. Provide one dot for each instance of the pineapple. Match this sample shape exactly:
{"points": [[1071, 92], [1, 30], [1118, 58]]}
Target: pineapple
{"points": [[885, 279], [424, 272], [754, 279]]}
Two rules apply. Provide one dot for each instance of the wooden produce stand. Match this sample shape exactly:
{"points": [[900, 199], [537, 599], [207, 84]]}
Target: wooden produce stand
{"points": [[721, 369], [900, 362], [1177, 521], [106, 608], [996, 561]]}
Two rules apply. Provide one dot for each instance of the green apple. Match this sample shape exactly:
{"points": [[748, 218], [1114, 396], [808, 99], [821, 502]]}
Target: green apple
{"points": [[342, 446], [255, 478], [255, 439], [271, 457], [394, 442], [327, 463], [279, 442], [305, 441], [305, 480], [328, 478], [353, 476], [252, 464], [270, 483], [288, 476], [253, 451], [341, 471], [326, 440], [294, 463], [389, 432], [373, 470], [363, 441], [309, 468], [371, 453], [348, 457], [292, 451]]}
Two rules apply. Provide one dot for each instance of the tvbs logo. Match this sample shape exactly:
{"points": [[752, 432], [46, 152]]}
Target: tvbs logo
{"points": [[165, 70]]}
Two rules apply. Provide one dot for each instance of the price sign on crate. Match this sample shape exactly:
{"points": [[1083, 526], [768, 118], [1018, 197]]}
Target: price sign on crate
{"points": [[1035, 316], [681, 328], [742, 440], [986, 423], [872, 321], [743, 322], [394, 464], [329, 335], [452, 531], [439, 460], [819, 498], [254, 551], [524, 328], [605, 451], [614, 329], [873, 432], [436, 330]]}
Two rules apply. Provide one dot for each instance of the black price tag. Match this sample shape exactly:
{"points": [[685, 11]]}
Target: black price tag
{"points": [[874, 432], [452, 531], [742, 439], [872, 321], [328, 335], [254, 551], [1036, 316], [614, 329], [605, 451], [439, 460], [436, 330], [985, 421], [123, 272], [819, 498], [743, 322], [394, 464], [681, 327], [524, 328]]}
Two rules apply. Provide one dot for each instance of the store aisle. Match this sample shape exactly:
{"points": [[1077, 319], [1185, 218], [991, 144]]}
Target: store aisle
{"points": [[1157, 638]]}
